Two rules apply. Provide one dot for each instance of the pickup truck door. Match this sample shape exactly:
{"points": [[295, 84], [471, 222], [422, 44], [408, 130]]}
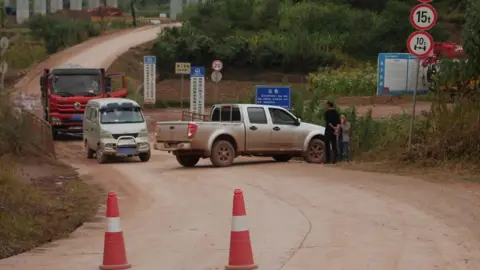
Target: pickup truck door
{"points": [[257, 129], [283, 130]]}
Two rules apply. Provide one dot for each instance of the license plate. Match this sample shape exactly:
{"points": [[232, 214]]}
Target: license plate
{"points": [[77, 117], [127, 151]]}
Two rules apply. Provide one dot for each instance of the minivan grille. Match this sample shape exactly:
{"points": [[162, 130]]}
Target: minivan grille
{"points": [[116, 136]]}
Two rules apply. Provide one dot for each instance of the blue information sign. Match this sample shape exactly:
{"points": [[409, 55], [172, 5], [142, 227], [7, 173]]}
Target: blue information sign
{"points": [[152, 60], [275, 95], [197, 72], [397, 74]]}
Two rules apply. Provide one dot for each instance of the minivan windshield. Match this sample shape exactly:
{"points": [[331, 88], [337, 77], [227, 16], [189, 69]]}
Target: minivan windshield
{"points": [[121, 115]]}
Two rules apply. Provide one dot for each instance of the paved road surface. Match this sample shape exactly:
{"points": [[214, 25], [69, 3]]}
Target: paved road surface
{"points": [[301, 216]]}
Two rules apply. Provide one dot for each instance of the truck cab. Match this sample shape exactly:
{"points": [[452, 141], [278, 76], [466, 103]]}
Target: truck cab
{"points": [[66, 91]]}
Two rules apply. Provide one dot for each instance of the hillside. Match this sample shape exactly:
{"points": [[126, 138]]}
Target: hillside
{"points": [[296, 37]]}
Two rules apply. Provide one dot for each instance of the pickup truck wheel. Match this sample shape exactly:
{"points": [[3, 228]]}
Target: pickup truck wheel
{"points": [[144, 157], [315, 152], [188, 161], [282, 158], [222, 154]]}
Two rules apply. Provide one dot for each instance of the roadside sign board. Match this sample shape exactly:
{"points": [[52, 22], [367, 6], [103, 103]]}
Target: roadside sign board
{"points": [[275, 95], [197, 90], [149, 72], [420, 44], [182, 68], [217, 65], [423, 17], [397, 74], [216, 76]]}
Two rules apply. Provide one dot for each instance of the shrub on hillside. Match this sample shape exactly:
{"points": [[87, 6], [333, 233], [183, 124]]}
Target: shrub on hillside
{"points": [[59, 32], [344, 82], [288, 36]]}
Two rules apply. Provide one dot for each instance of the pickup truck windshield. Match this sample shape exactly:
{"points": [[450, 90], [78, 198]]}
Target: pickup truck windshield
{"points": [[76, 85], [121, 116]]}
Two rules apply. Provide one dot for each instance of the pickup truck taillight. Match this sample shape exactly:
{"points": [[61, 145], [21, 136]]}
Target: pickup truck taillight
{"points": [[156, 130], [192, 130]]}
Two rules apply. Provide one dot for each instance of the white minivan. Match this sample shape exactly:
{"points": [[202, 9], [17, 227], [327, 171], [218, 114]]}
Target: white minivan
{"points": [[115, 127]]}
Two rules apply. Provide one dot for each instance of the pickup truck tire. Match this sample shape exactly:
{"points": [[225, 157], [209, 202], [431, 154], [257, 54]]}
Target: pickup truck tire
{"points": [[188, 161], [315, 152], [282, 158], [222, 154]]}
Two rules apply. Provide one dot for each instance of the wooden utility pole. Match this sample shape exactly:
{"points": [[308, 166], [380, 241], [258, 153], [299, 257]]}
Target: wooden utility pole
{"points": [[132, 9]]}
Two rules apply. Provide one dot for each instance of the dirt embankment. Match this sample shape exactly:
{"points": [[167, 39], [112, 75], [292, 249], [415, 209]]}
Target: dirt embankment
{"points": [[240, 87]]}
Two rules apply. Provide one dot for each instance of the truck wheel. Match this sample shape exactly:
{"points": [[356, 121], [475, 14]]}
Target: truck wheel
{"points": [[89, 151], [100, 157], [54, 134], [282, 158], [144, 157], [188, 161], [222, 154], [315, 152]]}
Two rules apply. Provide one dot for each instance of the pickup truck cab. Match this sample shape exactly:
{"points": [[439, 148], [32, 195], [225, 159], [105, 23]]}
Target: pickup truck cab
{"points": [[241, 130], [115, 127]]}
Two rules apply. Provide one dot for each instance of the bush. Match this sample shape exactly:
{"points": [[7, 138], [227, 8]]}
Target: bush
{"points": [[59, 33], [344, 82], [22, 53], [289, 36]]}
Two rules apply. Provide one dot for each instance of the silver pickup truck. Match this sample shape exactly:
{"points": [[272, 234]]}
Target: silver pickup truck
{"points": [[241, 130]]}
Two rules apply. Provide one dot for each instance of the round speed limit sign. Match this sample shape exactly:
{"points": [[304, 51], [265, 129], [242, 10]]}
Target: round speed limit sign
{"points": [[217, 65], [420, 43], [423, 17]]}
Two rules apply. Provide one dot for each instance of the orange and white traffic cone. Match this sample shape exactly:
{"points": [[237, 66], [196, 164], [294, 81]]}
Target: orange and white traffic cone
{"points": [[241, 256], [114, 255]]}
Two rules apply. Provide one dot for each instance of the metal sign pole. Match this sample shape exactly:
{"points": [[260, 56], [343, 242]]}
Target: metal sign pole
{"points": [[181, 92], [414, 103], [216, 93]]}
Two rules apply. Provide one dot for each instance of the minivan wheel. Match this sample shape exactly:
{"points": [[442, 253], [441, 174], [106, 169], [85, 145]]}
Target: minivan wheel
{"points": [[187, 161], [144, 157], [315, 152], [89, 151], [101, 158], [222, 154]]}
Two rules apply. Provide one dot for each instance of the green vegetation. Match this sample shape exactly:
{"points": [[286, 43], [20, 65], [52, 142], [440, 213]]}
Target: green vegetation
{"points": [[59, 33], [288, 36]]}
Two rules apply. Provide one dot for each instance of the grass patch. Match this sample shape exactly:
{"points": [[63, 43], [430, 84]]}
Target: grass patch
{"points": [[40, 210]]}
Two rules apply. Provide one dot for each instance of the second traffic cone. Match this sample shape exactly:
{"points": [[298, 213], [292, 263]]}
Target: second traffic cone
{"points": [[241, 256], [114, 255]]}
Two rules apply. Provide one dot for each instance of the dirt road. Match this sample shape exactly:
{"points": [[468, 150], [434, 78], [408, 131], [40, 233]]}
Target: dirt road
{"points": [[301, 216]]}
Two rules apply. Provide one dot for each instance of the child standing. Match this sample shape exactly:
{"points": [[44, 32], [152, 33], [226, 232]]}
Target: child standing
{"points": [[345, 128]]}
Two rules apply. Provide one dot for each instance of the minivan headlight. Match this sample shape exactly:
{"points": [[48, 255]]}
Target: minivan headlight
{"points": [[105, 135], [143, 133]]}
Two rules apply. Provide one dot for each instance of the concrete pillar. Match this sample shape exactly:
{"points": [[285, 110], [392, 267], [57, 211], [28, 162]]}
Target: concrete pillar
{"points": [[23, 10], [75, 4], [40, 7], [60, 4], [93, 4], [54, 6], [176, 7], [6, 3], [112, 3]]}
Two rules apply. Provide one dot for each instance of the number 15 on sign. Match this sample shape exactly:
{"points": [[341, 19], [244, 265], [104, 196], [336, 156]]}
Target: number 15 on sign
{"points": [[420, 44]]}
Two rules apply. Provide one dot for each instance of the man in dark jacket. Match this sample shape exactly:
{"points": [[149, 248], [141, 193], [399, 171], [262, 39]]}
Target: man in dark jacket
{"points": [[332, 126]]}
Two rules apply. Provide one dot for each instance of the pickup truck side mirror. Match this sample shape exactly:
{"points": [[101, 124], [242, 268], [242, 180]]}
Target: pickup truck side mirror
{"points": [[298, 121], [108, 84]]}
